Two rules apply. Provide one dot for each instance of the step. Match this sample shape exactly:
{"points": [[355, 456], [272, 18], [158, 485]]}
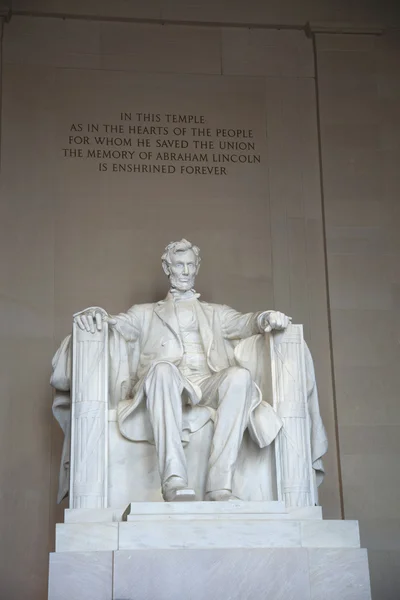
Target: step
{"points": [[196, 533], [202, 510]]}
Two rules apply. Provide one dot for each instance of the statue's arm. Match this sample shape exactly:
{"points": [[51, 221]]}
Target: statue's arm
{"points": [[128, 324], [236, 325]]}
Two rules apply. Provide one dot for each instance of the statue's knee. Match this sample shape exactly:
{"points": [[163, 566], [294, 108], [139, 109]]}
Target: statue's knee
{"points": [[163, 369], [163, 384], [164, 373]]}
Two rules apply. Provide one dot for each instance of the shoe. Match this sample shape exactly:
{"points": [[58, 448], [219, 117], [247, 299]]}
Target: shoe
{"points": [[175, 489]]}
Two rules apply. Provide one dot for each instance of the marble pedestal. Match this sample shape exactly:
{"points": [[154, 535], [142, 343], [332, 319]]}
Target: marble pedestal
{"points": [[197, 550]]}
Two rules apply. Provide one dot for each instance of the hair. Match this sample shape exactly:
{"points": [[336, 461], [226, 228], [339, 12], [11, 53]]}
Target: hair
{"points": [[181, 246]]}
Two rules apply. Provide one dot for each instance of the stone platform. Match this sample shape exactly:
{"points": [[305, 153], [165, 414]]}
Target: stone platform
{"points": [[197, 550]]}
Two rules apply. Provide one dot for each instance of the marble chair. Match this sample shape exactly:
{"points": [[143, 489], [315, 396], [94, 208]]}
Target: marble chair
{"points": [[108, 471]]}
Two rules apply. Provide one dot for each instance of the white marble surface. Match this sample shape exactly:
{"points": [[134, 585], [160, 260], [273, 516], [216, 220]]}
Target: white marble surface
{"points": [[89, 419], [212, 508], [83, 537], [133, 472], [92, 515], [237, 574], [80, 576], [247, 574], [304, 512], [330, 534], [256, 510], [174, 529], [339, 574], [168, 550], [210, 517], [295, 480], [210, 534]]}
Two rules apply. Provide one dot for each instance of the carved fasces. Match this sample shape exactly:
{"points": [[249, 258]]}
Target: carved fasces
{"points": [[89, 426], [295, 478]]}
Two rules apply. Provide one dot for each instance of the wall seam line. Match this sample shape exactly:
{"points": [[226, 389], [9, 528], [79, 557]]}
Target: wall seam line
{"points": [[332, 362]]}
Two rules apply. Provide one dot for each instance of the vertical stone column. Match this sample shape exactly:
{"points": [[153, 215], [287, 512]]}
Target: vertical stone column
{"points": [[295, 478], [89, 420]]}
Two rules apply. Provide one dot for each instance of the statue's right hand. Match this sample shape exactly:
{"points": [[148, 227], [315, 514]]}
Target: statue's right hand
{"points": [[92, 319]]}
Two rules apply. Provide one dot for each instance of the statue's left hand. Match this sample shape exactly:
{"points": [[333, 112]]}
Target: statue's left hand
{"points": [[275, 320]]}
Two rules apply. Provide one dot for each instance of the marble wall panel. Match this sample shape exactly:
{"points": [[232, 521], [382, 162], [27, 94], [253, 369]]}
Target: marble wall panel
{"points": [[340, 100], [343, 42], [367, 395], [81, 575], [385, 573], [235, 574], [339, 573], [208, 534], [370, 439], [363, 283], [380, 534], [330, 534], [348, 63], [266, 52], [158, 49], [53, 42], [371, 485], [86, 537]]}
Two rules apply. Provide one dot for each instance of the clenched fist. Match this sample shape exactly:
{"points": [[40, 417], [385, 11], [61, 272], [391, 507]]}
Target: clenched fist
{"points": [[274, 319]]}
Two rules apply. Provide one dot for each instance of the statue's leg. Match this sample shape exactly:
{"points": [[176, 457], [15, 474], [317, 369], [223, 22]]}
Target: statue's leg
{"points": [[230, 392], [163, 388]]}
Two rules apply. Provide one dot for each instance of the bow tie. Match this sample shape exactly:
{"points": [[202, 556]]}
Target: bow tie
{"points": [[188, 295]]}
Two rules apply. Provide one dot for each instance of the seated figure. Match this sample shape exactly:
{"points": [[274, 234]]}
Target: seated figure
{"points": [[178, 364]]}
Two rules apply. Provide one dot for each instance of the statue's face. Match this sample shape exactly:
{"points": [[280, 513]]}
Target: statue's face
{"points": [[183, 270]]}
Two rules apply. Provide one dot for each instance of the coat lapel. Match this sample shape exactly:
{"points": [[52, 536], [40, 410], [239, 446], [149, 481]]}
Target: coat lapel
{"points": [[166, 311]]}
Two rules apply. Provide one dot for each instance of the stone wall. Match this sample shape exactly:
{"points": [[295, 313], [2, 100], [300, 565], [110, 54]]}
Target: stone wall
{"points": [[359, 93], [72, 236]]}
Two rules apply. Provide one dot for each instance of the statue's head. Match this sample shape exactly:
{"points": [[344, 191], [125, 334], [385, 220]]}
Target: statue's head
{"points": [[181, 262]]}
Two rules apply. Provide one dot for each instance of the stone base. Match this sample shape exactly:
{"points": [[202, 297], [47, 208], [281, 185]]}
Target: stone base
{"points": [[237, 574], [235, 550]]}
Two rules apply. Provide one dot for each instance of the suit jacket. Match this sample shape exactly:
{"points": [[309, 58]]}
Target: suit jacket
{"points": [[152, 335]]}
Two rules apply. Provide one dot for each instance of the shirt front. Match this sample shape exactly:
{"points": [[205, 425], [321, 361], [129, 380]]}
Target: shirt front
{"points": [[194, 364]]}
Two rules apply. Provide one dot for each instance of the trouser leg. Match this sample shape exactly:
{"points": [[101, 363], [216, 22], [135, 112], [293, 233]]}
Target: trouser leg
{"points": [[163, 389], [233, 401]]}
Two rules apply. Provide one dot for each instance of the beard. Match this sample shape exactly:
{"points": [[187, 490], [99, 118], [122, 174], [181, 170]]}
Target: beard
{"points": [[182, 285]]}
